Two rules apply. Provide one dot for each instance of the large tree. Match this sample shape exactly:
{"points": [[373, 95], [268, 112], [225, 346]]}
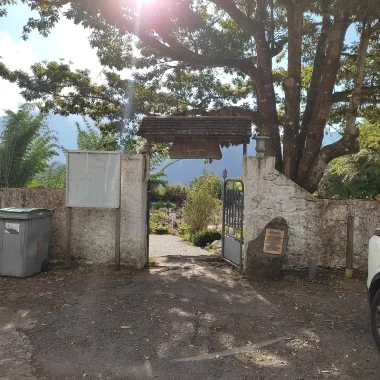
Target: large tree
{"points": [[318, 77]]}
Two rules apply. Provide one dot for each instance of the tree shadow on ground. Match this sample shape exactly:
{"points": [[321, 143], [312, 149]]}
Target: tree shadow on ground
{"points": [[101, 324]]}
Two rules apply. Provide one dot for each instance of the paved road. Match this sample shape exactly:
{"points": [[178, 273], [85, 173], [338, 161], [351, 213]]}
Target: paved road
{"points": [[169, 245]]}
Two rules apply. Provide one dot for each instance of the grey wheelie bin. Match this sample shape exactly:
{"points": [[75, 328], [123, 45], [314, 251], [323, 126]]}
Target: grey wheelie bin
{"points": [[24, 241]]}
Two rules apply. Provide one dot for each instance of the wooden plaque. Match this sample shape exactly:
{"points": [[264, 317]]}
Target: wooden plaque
{"points": [[274, 241], [184, 147]]}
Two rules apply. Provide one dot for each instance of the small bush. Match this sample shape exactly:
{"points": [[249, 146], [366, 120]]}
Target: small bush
{"points": [[199, 210], [162, 230], [161, 204], [159, 223], [205, 237], [175, 194], [183, 231]]}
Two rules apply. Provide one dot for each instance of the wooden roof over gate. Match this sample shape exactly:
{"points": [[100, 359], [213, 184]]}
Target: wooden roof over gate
{"points": [[228, 129]]}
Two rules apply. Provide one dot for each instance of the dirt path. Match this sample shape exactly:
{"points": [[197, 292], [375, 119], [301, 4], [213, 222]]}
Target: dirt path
{"points": [[185, 319], [15, 348], [164, 245]]}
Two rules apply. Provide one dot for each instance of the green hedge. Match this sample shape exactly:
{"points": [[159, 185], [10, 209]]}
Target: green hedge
{"points": [[160, 204]]}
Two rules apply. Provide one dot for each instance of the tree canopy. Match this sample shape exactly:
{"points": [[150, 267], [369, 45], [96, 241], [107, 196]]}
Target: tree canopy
{"points": [[54, 176], [26, 146], [287, 63]]}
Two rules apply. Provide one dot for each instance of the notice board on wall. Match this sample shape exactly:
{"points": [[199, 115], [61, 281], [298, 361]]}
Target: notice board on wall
{"points": [[93, 179]]}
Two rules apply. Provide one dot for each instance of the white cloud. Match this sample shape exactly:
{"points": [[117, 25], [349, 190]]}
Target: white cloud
{"points": [[16, 55]]}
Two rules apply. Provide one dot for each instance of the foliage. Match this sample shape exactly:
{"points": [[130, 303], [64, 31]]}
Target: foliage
{"points": [[157, 179], [199, 209], [160, 204], [161, 191], [53, 176], [183, 231], [211, 182], [205, 237], [26, 146], [114, 106], [90, 139], [175, 194], [161, 230], [159, 223], [197, 57], [356, 175], [234, 185]]}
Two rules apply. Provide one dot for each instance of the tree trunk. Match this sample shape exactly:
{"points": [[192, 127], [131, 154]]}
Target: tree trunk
{"points": [[355, 101], [320, 54], [323, 102], [292, 88], [263, 80], [348, 143]]}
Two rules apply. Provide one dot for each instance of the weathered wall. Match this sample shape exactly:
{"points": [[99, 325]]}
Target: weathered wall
{"points": [[93, 230], [317, 227], [135, 177]]}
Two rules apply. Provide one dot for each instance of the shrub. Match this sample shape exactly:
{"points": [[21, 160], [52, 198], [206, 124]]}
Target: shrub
{"points": [[183, 231], [205, 237], [162, 230], [159, 223], [209, 180], [161, 204], [200, 208], [175, 194]]}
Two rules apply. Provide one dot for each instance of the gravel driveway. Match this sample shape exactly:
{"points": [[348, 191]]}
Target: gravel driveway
{"points": [[170, 245], [184, 319]]}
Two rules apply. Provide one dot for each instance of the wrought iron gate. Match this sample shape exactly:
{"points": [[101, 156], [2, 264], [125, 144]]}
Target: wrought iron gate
{"points": [[233, 221]]}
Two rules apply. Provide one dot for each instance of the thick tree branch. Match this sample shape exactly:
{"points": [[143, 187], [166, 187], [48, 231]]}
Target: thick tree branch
{"points": [[171, 48], [292, 88], [223, 111], [249, 25], [315, 79], [355, 101], [268, 117], [346, 145], [322, 106], [369, 94]]}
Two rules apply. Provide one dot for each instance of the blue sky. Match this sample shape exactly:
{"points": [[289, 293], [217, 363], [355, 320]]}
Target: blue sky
{"points": [[66, 41]]}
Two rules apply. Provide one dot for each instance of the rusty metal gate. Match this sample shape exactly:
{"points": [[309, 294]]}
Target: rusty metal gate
{"points": [[233, 221]]}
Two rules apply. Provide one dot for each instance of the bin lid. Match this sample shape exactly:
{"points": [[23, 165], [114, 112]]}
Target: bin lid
{"points": [[24, 213]]}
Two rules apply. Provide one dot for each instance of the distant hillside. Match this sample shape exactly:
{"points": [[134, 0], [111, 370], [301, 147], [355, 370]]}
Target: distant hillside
{"points": [[184, 171], [181, 172]]}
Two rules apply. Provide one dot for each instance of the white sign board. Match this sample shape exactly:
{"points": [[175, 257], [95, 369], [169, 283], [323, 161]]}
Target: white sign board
{"points": [[93, 179]]}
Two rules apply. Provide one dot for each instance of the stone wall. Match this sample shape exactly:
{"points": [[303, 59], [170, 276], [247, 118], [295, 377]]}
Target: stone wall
{"points": [[317, 227], [93, 230]]}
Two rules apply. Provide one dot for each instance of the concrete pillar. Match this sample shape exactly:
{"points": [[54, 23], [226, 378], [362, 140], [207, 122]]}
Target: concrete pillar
{"points": [[255, 191], [134, 182]]}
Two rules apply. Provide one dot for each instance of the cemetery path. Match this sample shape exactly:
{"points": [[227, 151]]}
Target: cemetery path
{"points": [[170, 245]]}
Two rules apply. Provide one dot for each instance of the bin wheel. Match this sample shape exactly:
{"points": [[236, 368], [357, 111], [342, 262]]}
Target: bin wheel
{"points": [[45, 265]]}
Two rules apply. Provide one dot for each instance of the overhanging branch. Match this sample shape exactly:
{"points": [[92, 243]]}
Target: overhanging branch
{"points": [[368, 95], [248, 24]]}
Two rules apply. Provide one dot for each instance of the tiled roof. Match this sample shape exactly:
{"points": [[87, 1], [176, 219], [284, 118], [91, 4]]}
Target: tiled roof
{"points": [[229, 129]]}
